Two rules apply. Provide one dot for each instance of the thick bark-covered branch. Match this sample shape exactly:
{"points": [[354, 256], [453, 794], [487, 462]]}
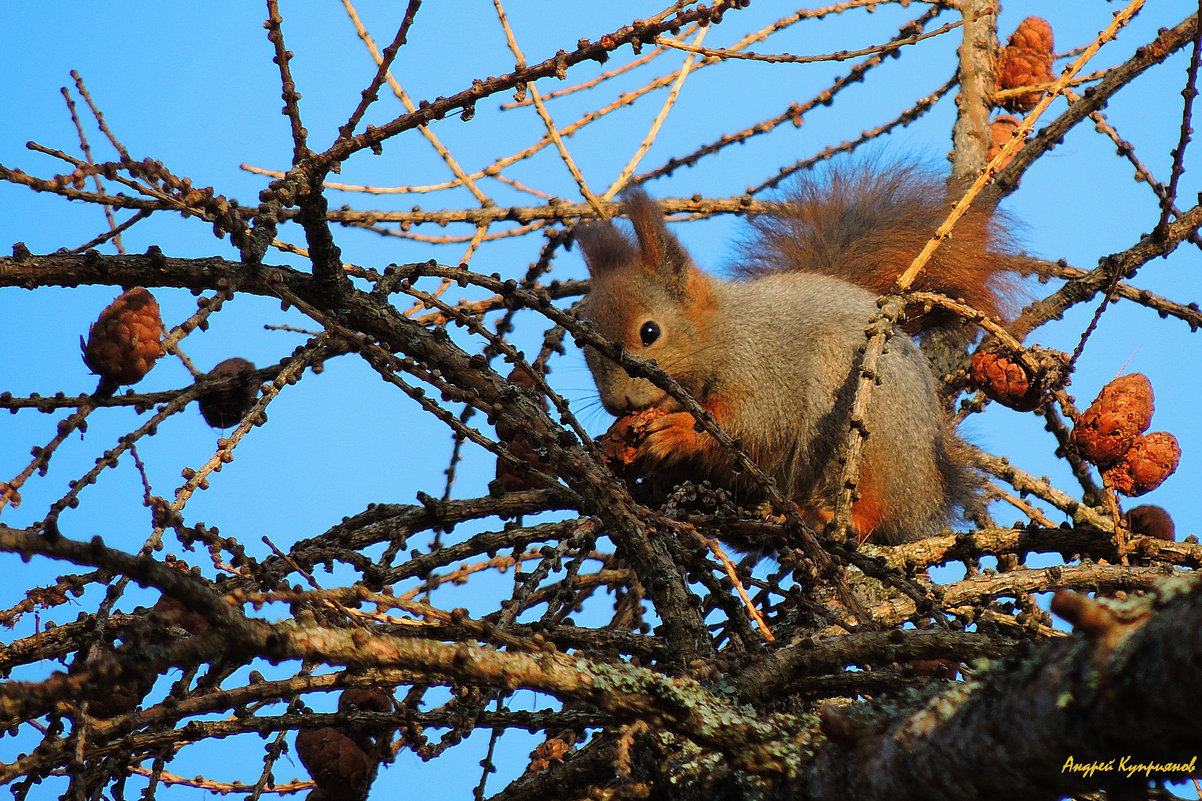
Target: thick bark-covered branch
{"points": [[1117, 695], [978, 81], [626, 691], [1122, 687], [1126, 689]]}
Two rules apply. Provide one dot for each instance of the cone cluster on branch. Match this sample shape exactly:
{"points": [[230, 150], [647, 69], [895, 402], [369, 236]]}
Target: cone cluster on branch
{"points": [[1110, 434], [1025, 61], [124, 343]]}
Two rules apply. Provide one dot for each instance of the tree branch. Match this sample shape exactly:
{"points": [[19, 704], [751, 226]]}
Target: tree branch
{"points": [[1124, 691]]}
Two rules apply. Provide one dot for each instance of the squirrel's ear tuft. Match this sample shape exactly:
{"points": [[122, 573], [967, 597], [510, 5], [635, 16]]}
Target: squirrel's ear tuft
{"points": [[604, 246], [659, 251]]}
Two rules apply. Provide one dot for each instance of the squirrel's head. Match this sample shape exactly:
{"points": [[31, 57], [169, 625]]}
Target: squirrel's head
{"points": [[647, 295]]}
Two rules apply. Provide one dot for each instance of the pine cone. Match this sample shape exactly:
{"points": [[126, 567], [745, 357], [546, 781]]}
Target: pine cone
{"points": [[1120, 413], [122, 697], [1146, 464], [1035, 34], [227, 405], [123, 344], [367, 699], [1026, 61], [553, 750]]}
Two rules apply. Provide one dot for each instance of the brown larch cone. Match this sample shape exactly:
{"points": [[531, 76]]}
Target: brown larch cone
{"points": [[1145, 465], [1120, 413], [1005, 380], [1001, 130], [551, 751], [509, 477], [336, 763], [1033, 34], [227, 405], [173, 612], [122, 697], [1026, 61], [123, 344], [369, 699], [1151, 521]]}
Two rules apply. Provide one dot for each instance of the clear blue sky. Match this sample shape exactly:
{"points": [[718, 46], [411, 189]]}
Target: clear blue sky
{"points": [[193, 86]]}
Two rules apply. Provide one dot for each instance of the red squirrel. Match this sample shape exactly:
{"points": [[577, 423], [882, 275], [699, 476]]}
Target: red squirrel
{"points": [[772, 355]]}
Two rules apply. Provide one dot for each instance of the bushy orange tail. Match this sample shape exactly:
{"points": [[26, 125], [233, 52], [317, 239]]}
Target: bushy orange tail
{"points": [[865, 223]]}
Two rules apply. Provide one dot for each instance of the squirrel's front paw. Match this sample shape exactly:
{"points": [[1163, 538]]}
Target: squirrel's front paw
{"points": [[670, 438], [644, 439]]}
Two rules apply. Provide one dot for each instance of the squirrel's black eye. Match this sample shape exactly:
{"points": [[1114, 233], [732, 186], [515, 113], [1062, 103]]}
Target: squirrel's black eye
{"points": [[648, 333]]}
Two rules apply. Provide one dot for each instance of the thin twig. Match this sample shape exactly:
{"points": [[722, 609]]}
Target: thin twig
{"points": [[114, 231], [787, 58], [275, 35], [1188, 93], [653, 131], [383, 62], [461, 177], [545, 115]]}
